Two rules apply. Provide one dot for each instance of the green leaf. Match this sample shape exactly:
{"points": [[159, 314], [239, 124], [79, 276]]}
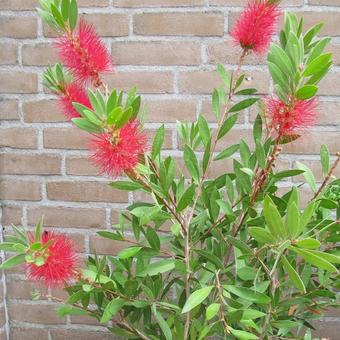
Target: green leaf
{"points": [[162, 323], [327, 256], [57, 16], [314, 259], [73, 15], [191, 162], [13, 261], [38, 230], [308, 175], [316, 64], [324, 155], [311, 33], [65, 6], [287, 173], [211, 311], [111, 309], [196, 298], [227, 125], [273, 218], [246, 92], [260, 154], [248, 294], [223, 74], [292, 219], [126, 185], [216, 104], [306, 92], [261, 235], [306, 216], [84, 124], [227, 152], [204, 130], [243, 104], [309, 243], [157, 268], [111, 236], [128, 252], [257, 129], [293, 275], [157, 142], [68, 310], [186, 198], [153, 239], [242, 335]]}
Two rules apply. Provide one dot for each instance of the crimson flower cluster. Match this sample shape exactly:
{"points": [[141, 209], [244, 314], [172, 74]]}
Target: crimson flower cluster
{"points": [[60, 261]]}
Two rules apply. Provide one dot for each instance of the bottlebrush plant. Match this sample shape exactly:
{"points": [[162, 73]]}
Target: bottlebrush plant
{"points": [[231, 256]]}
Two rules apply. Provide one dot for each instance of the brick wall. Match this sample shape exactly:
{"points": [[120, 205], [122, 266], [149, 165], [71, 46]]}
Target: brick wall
{"points": [[167, 48]]}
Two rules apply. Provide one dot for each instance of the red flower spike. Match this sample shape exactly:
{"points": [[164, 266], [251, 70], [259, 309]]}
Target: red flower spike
{"points": [[288, 119], [118, 152], [61, 262], [73, 92], [256, 25], [84, 54]]}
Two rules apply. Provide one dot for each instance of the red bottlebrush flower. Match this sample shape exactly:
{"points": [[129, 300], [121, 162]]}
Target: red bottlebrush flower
{"points": [[256, 25], [117, 152], [60, 262], [73, 92], [288, 119], [84, 53]]}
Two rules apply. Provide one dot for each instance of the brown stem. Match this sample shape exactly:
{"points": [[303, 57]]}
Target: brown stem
{"points": [[330, 173], [220, 294]]}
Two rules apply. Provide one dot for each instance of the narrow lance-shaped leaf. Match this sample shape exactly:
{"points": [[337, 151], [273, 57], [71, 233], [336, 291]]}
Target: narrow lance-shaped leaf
{"points": [[157, 142], [196, 298], [293, 275]]}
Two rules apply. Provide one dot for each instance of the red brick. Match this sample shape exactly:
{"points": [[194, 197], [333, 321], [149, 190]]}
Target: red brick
{"points": [[80, 166], [156, 53], [8, 53], [42, 111], [36, 313], [11, 215], [23, 289], [92, 3], [20, 190], [158, 3], [80, 335], [145, 81], [310, 143], [210, 116], [241, 3], [24, 138], [170, 110], [18, 27], [67, 217], [65, 138], [9, 110], [104, 246], [18, 82], [23, 164], [39, 55], [330, 85], [184, 24], [85, 192], [28, 333]]}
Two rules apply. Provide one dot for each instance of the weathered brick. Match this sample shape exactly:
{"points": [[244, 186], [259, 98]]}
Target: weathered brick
{"points": [[227, 52], [327, 330], [36, 313], [65, 138], [38, 55], [167, 137], [310, 143], [85, 320], [84, 192], [330, 85], [9, 109], [146, 82], [241, 3], [158, 3], [80, 166], [42, 111], [18, 27], [24, 164], [18, 82], [104, 246], [23, 289], [189, 24], [28, 333], [210, 116], [11, 215], [24, 138], [8, 54], [67, 217], [156, 53], [324, 2], [93, 3], [80, 334], [2, 316], [18, 4], [20, 190], [205, 81], [170, 110], [109, 25]]}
